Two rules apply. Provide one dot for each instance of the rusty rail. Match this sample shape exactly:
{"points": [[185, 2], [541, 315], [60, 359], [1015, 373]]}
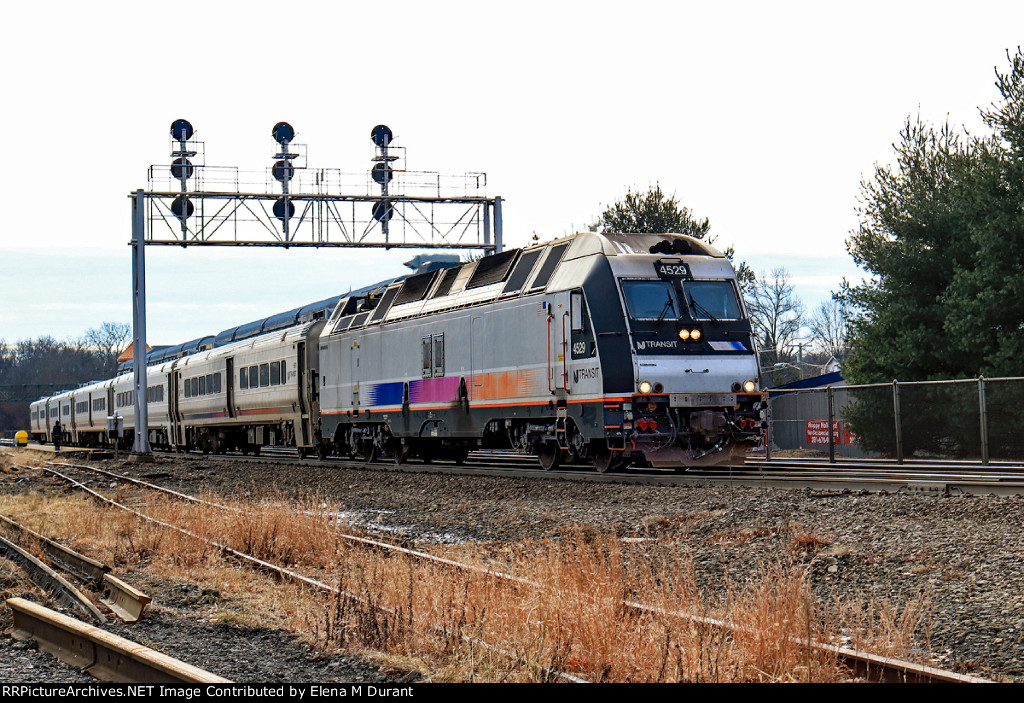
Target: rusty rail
{"points": [[55, 585], [98, 652], [125, 601], [71, 561]]}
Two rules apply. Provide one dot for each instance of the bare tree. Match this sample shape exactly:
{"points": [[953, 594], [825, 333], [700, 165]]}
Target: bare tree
{"points": [[776, 314], [109, 340], [828, 326]]}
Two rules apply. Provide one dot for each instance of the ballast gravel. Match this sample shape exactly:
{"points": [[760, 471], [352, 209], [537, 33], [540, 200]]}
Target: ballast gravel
{"points": [[962, 556]]}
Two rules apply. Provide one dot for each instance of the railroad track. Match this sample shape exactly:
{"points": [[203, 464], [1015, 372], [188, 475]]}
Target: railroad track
{"points": [[916, 476], [862, 664], [912, 477]]}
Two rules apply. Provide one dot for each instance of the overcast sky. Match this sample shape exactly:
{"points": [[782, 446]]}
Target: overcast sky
{"points": [[762, 117]]}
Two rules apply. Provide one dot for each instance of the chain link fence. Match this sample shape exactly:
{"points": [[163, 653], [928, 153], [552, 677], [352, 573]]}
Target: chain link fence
{"points": [[975, 420]]}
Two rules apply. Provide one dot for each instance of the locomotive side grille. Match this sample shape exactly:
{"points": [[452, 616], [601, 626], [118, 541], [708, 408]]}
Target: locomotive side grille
{"points": [[548, 268], [446, 283], [416, 287], [385, 304], [492, 269], [522, 271]]}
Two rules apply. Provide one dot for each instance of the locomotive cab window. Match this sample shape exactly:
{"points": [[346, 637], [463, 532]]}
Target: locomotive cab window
{"points": [[711, 300], [650, 300]]}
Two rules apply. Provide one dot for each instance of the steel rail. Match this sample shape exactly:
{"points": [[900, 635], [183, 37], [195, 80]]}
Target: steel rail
{"points": [[55, 585], [365, 541], [126, 602], [98, 652], [68, 559], [288, 574], [863, 664]]}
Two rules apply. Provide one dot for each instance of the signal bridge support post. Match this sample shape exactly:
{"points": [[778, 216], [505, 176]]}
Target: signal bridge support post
{"points": [[141, 444]]}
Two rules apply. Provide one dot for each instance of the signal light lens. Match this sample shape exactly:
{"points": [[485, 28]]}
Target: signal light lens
{"points": [[749, 386], [645, 387]]}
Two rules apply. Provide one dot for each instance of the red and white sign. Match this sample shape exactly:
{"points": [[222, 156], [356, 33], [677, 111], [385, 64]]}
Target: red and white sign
{"points": [[817, 432]]}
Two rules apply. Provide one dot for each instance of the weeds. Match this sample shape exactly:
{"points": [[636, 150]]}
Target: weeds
{"points": [[575, 621]]}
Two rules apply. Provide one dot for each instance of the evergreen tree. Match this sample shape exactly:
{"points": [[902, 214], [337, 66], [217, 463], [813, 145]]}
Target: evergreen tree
{"points": [[654, 212], [988, 321], [942, 234], [913, 239]]}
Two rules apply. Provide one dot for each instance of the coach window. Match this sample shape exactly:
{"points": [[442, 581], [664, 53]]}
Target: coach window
{"points": [[243, 379], [275, 373], [254, 376], [284, 373], [202, 385], [216, 382], [264, 375]]}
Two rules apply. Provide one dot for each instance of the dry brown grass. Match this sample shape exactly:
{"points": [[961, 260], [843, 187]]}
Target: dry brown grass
{"points": [[437, 618], [808, 542]]}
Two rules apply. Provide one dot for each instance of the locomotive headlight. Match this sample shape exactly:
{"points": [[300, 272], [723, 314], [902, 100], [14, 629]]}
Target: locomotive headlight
{"points": [[749, 386], [645, 387], [695, 335], [684, 334]]}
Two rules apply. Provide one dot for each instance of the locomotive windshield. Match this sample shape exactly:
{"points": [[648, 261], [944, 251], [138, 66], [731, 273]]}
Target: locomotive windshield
{"points": [[711, 300], [650, 300]]}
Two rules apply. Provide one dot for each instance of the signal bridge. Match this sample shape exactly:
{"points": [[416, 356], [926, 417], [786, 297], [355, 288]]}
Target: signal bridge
{"points": [[292, 205]]}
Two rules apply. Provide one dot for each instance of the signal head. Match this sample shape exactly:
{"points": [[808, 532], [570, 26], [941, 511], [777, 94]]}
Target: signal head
{"points": [[181, 130], [381, 135], [283, 132]]}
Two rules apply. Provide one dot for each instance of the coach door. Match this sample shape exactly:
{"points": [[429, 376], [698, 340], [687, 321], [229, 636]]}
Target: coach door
{"points": [[230, 387], [174, 407]]}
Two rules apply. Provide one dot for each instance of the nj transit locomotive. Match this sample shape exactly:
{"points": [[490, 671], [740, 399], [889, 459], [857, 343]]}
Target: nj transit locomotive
{"points": [[614, 349]]}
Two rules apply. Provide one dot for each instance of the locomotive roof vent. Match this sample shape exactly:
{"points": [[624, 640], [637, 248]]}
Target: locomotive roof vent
{"points": [[676, 246]]}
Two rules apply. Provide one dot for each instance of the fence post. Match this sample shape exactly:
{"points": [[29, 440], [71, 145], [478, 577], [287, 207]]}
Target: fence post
{"points": [[983, 419], [896, 414], [831, 436]]}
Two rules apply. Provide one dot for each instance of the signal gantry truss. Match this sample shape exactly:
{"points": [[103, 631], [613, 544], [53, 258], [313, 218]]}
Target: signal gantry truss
{"points": [[292, 205]]}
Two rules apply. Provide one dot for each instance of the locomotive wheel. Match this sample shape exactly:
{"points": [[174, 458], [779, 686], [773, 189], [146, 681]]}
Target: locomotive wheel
{"points": [[605, 459], [549, 455], [366, 452], [399, 453], [459, 455], [321, 451]]}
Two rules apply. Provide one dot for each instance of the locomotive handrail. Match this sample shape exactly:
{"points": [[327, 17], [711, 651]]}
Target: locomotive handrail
{"points": [[550, 369], [565, 350]]}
